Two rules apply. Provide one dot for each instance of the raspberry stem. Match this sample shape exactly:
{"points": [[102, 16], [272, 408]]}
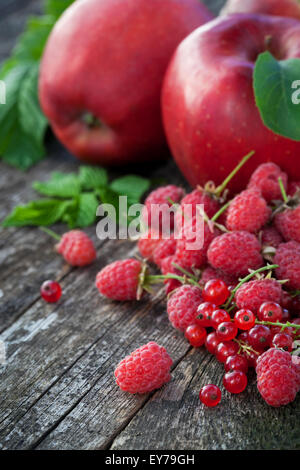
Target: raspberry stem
{"points": [[223, 209], [282, 189], [246, 279], [219, 190], [184, 271], [51, 233], [156, 279]]}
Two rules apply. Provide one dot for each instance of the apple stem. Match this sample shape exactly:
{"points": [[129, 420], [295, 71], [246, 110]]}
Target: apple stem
{"points": [[220, 189]]}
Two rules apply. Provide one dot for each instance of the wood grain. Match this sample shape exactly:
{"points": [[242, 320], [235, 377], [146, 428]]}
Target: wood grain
{"points": [[57, 390]]}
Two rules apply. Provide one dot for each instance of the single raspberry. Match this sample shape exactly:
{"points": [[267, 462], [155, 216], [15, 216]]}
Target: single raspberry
{"points": [[193, 244], [265, 178], [288, 259], [188, 207], [271, 237], [157, 206], [51, 291], [248, 211], [146, 369], [120, 280], [147, 244], [235, 253], [278, 378], [164, 249], [76, 248], [210, 273], [182, 306], [288, 224], [293, 187], [254, 293]]}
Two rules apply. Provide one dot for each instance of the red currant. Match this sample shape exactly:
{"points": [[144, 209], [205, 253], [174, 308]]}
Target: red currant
{"points": [[236, 362], [219, 316], [278, 329], [216, 292], [244, 319], [225, 349], [286, 316], [51, 291], [260, 337], [212, 342], [235, 381], [283, 341], [196, 335], [251, 357], [226, 331], [204, 313], [270, 311], [210, 395]]}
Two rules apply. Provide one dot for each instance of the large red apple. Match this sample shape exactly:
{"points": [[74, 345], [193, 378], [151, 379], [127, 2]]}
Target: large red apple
{"points": [[209, 110], [102, 72], [289, 8]]}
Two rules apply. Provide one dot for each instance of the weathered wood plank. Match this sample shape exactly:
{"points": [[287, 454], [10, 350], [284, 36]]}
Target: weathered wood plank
{"points": [[68, 353], [175, 419]]}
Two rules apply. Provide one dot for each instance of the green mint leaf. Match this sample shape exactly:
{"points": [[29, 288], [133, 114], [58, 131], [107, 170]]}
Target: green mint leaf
{"points": [[32, 120], [57, 7], [92, 177], [82, 213], [18, 146], [60, 185], [277, 95], [37, 213], [131, 186]]}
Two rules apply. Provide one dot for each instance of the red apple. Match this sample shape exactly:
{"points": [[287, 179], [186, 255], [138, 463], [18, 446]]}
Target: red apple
{"points": [[209, 110], [289, 8], [102, 72]]}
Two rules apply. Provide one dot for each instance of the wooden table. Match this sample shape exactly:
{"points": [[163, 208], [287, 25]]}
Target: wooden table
{"points": [[57, 390]]}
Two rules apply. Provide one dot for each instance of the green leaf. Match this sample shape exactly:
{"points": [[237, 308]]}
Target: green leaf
{"points": [[57, 7], [60, 185], [37, 213], [87, 209], [131, 186], [32, 120], [92, 177], [276, 85]]}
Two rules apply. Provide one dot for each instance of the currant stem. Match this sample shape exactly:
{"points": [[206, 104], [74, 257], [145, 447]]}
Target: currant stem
{"points": [[283, 192], [246, 279], [51, 233], [282, 325], [244, 346], [222, 186]]}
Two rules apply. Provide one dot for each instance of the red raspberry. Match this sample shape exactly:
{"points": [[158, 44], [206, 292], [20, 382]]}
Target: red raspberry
{"points": [[157, 205], [271, 237], [265, 178], [147, 244], [210, 273], [288, 259], [120, 280], [146, 369], [278, 378], [248, 211], [254, 293], [182, 306], [194, 257], [288, 224], [76, 248], [293, 187], [189, 204], [235, 253], [164, 249]]}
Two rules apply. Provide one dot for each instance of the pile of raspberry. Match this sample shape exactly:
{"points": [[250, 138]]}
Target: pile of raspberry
{"points": [[237, 294]]}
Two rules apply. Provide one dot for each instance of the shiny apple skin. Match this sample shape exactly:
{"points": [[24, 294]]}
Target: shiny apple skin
{"points": [[209, 111], [108, 58]]}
